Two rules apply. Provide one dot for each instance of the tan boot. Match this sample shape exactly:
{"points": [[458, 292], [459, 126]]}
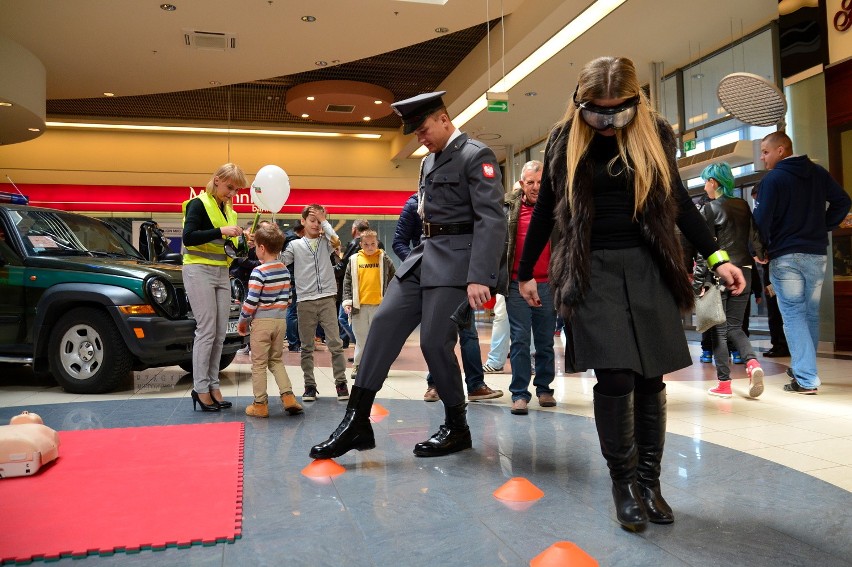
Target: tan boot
{"points": [[291, 406], [256, 409]]}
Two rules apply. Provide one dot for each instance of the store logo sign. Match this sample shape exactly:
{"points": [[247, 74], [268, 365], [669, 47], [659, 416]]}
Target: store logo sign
{"points": [[843, 18]]}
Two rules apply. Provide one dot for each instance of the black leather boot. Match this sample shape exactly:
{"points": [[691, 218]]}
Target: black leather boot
{"points": [[451, 437], [650, 420], [614, 421], [354, 432]]}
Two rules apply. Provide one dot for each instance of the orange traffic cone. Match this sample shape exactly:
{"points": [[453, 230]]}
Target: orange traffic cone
{"points": [[378, 413], [563, 554], [321, 468]]}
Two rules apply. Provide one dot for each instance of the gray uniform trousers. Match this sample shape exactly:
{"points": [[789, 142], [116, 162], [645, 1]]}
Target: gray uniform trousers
{"points": [[405, 305]]}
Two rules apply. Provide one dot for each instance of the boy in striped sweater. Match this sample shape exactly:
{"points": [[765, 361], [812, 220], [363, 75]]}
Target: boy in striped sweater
{"points": [[265, 309]]}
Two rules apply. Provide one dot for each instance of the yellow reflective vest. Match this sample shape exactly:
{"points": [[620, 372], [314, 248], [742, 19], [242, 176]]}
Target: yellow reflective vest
{"points": [[213, 252]]}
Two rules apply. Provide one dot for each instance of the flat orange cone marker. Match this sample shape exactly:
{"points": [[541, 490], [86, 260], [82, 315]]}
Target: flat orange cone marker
{"points": [[323, 468], [563, 554], [518, 489], [378, 413]]}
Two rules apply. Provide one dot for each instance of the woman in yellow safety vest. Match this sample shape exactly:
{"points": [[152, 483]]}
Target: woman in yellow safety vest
{"points": [[208, 221]]}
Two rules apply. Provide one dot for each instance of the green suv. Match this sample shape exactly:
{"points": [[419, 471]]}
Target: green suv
{"points": [[78, 301]]}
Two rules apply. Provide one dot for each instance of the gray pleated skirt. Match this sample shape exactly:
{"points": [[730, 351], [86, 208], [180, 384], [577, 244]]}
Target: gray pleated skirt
{"points": [[627, 319]]}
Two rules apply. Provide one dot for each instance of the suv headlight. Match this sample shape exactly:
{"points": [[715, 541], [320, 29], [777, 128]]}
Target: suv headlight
{"points": [[159, 291], [162, 294]]}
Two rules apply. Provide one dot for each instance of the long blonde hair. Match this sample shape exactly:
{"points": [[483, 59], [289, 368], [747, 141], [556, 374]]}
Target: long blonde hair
{"points": [[639, 145], [231, 172]]}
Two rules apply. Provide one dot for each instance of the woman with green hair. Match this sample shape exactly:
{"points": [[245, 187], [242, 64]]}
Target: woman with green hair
{"points": [[730, 220]]}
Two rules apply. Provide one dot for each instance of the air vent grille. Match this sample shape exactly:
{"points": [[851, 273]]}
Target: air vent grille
{"points": [[216, 41]]}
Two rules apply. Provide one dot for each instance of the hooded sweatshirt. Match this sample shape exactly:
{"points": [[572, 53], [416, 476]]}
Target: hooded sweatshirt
{"points": [[790, 211]]}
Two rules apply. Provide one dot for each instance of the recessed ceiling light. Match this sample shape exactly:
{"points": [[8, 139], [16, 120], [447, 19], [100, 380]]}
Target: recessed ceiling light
{"points": [[168, 7], [34, 129], [366, 119], [109, 94], [308, 19], [531, 93], [306, 116], [378, 101], [214, 83], [320, 63], [5, 104], [310, 98], [442, 30]]}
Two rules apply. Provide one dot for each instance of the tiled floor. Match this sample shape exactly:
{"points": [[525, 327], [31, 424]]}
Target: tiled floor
{"points": [[752, 482]]}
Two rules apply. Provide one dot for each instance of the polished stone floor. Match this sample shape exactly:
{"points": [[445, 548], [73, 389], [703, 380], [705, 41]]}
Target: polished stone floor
{"points": [[752, 482]]}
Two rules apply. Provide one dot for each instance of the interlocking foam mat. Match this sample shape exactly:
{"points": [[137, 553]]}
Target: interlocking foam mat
{"points": [[125, 490]]}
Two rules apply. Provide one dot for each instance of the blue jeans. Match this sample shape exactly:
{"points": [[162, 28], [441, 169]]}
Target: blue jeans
{"points": [[471, 357], [543, 321], [797, 280], [346, 332], [292, 326]]}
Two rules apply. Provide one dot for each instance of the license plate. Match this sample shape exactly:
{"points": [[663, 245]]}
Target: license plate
{"points": [[232, 327]]}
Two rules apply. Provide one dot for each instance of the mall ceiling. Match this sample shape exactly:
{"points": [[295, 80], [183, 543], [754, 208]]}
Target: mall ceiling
{"points": [[216, 62]]}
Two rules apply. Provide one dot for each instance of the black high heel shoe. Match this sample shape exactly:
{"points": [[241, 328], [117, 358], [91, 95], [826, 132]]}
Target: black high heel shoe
{"points": [[204, 407], [223, 404]]}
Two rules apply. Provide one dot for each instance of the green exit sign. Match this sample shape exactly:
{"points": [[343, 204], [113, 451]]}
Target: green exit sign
{"points": [[498, 106], [689, 145]]}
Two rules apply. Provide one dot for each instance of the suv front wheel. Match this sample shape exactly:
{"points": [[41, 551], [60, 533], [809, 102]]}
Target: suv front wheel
{"points": [[87, 354]]}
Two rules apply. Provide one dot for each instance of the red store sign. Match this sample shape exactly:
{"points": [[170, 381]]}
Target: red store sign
{"points": [[157, 199]]}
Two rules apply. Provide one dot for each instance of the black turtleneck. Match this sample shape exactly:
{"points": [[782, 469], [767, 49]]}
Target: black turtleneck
{"points": [[613, 226]]}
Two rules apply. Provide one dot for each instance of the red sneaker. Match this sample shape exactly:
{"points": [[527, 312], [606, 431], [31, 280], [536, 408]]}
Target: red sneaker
{"points": [[723, 390], [755, 378]]}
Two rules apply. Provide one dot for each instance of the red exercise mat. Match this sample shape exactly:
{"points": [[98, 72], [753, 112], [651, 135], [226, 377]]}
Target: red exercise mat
{"points": [[127, 489]]}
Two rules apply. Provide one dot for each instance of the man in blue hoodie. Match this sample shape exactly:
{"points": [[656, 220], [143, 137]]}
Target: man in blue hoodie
{"points": [[794, 223]]}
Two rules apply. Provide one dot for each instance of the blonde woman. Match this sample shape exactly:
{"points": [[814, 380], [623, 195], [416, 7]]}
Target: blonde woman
{"points": [[611, 183], [209, 219]]}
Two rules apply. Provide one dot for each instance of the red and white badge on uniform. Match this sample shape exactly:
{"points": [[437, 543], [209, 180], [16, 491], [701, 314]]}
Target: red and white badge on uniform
{"points": [[488, 170]]}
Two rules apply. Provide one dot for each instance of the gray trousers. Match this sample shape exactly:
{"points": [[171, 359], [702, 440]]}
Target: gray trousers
{"points": [[732, 330], [321, 311], [209, 293], [404, 306]]}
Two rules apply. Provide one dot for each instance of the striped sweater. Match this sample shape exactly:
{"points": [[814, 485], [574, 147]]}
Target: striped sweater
{"points": [[268, 294]]}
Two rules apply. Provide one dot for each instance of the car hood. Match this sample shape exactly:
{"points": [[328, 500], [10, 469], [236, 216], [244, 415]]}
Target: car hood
{"points": [[126, 267]]}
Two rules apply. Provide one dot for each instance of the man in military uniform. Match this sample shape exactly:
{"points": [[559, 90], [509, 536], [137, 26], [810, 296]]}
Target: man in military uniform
{"points": [[457, 260]]}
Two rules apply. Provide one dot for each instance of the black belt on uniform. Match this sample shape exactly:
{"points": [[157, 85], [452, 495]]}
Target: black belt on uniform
{"points": [[431, 229]]}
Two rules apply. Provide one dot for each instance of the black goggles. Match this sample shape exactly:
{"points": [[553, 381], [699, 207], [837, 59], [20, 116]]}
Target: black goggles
{"points": [[606, 117]]}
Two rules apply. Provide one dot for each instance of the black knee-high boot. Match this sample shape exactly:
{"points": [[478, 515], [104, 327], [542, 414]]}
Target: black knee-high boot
{"points": [[451, 437], [650, 414], [354, 432], [614, 421]]}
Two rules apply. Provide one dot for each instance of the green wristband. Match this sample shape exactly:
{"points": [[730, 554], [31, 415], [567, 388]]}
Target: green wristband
{"points": [[718, 258]]}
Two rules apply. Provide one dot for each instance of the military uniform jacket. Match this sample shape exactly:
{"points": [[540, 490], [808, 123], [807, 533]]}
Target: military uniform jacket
{"points": [[463, 185]]}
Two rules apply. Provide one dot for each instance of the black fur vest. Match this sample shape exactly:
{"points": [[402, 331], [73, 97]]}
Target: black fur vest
{"points": [[570, 262]]}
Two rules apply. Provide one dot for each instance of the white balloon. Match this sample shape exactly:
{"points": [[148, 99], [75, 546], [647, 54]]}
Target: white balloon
{"points": [[271, 188]]}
